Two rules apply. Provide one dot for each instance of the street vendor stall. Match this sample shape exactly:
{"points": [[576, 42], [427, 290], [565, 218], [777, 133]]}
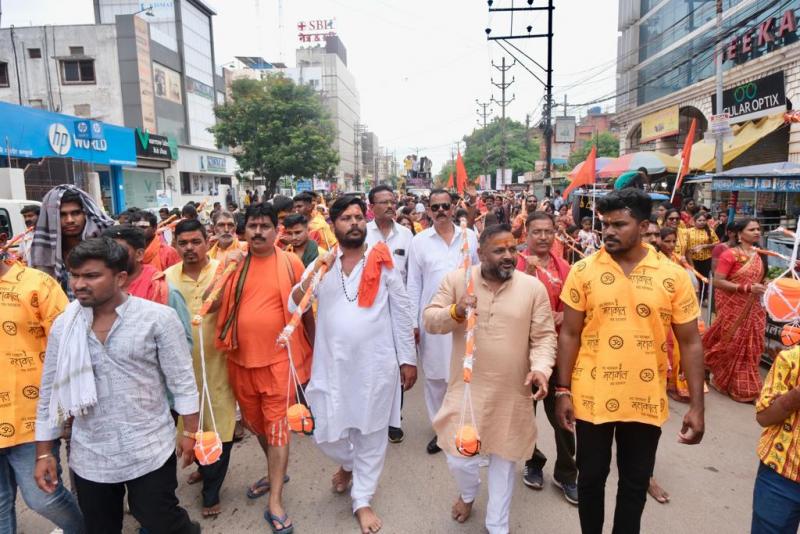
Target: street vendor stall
{"points": [[766, 192]]}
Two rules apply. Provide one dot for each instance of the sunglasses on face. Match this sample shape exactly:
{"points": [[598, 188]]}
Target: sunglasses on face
{"points": [[673, 218], [443, 207]]}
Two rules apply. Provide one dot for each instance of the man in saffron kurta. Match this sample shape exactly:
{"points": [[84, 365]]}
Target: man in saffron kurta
{"points": [[515, 343], [158, 253], [364, 351], [253, 312], [192, 277]]}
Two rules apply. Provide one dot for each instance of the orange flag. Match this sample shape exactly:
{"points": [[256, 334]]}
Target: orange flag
{"points": [[450, 182], [686, 155], [461, 174], [586, 175]]}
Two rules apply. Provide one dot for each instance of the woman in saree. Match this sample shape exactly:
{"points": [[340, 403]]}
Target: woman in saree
{"points": [[734, 343]]}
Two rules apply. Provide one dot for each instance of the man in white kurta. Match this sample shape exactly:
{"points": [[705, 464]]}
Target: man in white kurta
{"points": [[363, 351], [434, 253]]}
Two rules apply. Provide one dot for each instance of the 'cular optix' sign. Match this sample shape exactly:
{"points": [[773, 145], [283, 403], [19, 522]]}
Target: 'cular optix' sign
{"points": [[755, 99]]}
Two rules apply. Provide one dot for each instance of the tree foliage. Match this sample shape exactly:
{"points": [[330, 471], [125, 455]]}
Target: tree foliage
{"points": [[277, 128], [607, 146]]}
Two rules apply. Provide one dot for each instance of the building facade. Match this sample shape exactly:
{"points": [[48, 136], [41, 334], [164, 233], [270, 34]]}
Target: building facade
{"points": [[151, 70], [666, 77]]}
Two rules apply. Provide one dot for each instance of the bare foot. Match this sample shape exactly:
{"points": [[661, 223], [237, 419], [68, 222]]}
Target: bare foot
{"points": [[368, 521], [461, 510], [657, 492], [341, 480], [194, 478], [211, 511]]}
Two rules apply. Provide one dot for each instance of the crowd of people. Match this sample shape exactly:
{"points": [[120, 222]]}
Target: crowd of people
{"points": [[129, 340]]}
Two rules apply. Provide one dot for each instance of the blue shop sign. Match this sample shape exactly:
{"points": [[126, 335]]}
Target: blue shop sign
{"points": [[35, 133], [767, 185]]}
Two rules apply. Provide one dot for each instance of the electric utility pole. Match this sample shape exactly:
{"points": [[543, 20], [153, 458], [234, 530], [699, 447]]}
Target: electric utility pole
{"points": [[548, 84], [483, 113], [503, 103]]}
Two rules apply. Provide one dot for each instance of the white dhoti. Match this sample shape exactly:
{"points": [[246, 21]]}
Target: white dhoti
{"points": [[363, 455], [435, 390], [501, 473]]}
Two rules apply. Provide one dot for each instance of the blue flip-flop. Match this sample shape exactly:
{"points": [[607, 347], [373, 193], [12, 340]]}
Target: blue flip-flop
{"points": [[262, 487], [272, 519]]}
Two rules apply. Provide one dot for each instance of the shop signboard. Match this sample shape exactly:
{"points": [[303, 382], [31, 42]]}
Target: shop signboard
{"points": [[199, 88], [561, 152], [660, 124], [148, 101], [303, 185], [167, 83], [763, 37], [36, 133], [752, 100], [768, 185], [316, 30], [565, 129], [89, 129], [212, 163], [153, 146]]}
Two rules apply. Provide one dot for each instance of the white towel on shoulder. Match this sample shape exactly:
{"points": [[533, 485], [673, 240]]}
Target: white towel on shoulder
{"points": [[74, 389]]}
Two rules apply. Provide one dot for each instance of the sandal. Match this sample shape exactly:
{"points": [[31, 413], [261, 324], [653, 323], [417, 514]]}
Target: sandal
{"points": [[283, 528], [261, 488]]}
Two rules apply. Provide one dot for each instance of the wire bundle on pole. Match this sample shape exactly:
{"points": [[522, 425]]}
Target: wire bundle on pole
{"points": [[299, 416], [467, 439]]}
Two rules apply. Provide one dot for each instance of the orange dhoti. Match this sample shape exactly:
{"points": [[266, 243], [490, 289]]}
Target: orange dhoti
{"points": [[262, 396]]}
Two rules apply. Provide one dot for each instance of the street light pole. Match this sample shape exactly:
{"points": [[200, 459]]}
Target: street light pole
{"points": [[718, 52]]}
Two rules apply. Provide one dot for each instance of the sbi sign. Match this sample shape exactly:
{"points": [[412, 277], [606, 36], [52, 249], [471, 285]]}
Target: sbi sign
{"points": [[61, 140]]}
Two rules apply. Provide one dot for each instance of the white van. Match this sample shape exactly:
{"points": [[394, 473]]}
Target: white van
{"points": [[11, 221]]}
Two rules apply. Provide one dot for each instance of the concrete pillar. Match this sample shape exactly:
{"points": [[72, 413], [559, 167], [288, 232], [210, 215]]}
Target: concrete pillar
{"points": [[12, 184]]}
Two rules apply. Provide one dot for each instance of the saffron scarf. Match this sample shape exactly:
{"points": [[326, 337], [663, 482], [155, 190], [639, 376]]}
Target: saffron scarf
{"points": [[379, 256]]}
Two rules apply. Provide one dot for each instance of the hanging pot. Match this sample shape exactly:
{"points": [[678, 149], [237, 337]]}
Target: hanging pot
{"points": [[300, 419], [782, 300], [467, 441], [207, 447]]}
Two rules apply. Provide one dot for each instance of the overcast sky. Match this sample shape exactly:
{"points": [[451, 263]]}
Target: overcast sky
{"points": [[419, 64]]}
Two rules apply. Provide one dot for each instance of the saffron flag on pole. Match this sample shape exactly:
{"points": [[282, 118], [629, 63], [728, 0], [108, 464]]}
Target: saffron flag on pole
{"points": [[686, 155], [586, 175], [461, 174], [450, 182]]}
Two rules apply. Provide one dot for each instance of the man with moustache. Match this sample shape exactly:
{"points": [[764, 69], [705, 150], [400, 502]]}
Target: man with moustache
{"points": [[111, 359], [519, 226], [225, 232], [363, 352], [252, 313], [434, 253], [68, 216], [551, 270], [192, 277], [30, 214], [383, 228], [619, 306], [515, 344]]}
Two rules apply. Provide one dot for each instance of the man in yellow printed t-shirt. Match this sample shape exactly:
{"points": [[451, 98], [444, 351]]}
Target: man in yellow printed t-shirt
{"points": [[30, 300], [620, 303]]}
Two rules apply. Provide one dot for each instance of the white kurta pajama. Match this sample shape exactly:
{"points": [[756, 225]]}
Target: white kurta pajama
{"points": [[430, 259], [355, 374]]}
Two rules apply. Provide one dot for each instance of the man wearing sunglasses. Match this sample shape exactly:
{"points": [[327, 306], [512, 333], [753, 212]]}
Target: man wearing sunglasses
{"points": [[435, 252]]}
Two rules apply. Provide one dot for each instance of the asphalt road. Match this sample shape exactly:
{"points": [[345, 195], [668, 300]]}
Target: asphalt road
{"points": [[711, 484]]}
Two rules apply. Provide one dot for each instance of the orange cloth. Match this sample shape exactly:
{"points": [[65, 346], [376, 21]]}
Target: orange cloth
{"points": [[379, 256], [217, 253], [262, 313], [30, 301], [150, 285], [160, 255], [261, 393]]}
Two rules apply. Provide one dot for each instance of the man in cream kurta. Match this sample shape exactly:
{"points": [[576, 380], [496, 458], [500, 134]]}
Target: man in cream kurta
{"points": [[515, 342], [363, 351]]}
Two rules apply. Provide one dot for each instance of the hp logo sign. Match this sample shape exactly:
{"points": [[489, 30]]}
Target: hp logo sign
{"points": [[60, 140]]}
